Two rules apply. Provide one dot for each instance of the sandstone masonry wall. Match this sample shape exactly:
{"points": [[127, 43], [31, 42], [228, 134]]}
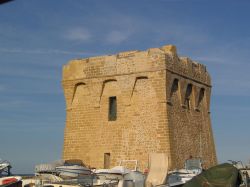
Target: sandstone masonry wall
{"points": [[154, 111]]}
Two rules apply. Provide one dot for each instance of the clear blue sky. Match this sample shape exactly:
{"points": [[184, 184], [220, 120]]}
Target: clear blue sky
{"points": [[38, 36]]}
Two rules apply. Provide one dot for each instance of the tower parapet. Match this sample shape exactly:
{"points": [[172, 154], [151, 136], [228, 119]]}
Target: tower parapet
{"points": [[135, 62]]}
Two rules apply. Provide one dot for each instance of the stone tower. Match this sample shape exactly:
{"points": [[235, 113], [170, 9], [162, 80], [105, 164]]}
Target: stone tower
{"points": [[128, 105]]}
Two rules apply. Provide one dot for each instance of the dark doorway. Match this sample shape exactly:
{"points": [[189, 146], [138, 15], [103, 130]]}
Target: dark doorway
{"points": [[106, 160]]}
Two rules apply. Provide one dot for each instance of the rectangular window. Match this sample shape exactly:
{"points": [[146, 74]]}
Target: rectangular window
{"points": [[112, 108]]}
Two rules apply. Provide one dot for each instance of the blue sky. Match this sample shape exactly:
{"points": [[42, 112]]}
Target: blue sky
{"points": [[38, 36]]}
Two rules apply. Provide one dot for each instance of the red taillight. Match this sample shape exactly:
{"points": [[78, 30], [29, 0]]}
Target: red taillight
{"points": [[10, 180]]}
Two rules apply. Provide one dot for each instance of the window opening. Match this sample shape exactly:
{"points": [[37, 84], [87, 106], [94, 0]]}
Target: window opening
{"points": [[201, 96], [174, 87], [187, 96], [112, 109]]}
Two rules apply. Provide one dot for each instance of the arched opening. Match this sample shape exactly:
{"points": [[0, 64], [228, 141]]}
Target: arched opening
{"points": [[201, 96], [187, 101], [174, 87]]}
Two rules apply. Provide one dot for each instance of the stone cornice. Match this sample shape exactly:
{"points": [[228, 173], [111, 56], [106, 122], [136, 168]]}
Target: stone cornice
{"points": [[135, 62]]}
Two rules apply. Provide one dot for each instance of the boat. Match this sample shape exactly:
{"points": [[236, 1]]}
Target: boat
{"points": [[122, 175], [61, 173], [220, 175], [73, 175], [95, 182], [64, 169], [48, 167], [5, 167], [6, 180], [72, 171], [13, 181], [244, 171], [177, 178]]}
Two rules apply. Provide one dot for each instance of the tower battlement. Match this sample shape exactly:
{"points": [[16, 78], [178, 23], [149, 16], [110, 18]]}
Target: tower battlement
{"points": [[136, 61]]}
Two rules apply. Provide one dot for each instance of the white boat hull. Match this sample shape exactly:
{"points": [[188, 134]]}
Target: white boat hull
{"points": [[72, 171]]}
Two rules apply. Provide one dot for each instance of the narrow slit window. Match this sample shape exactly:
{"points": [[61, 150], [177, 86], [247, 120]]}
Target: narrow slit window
{"points": [[112, 109]]}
